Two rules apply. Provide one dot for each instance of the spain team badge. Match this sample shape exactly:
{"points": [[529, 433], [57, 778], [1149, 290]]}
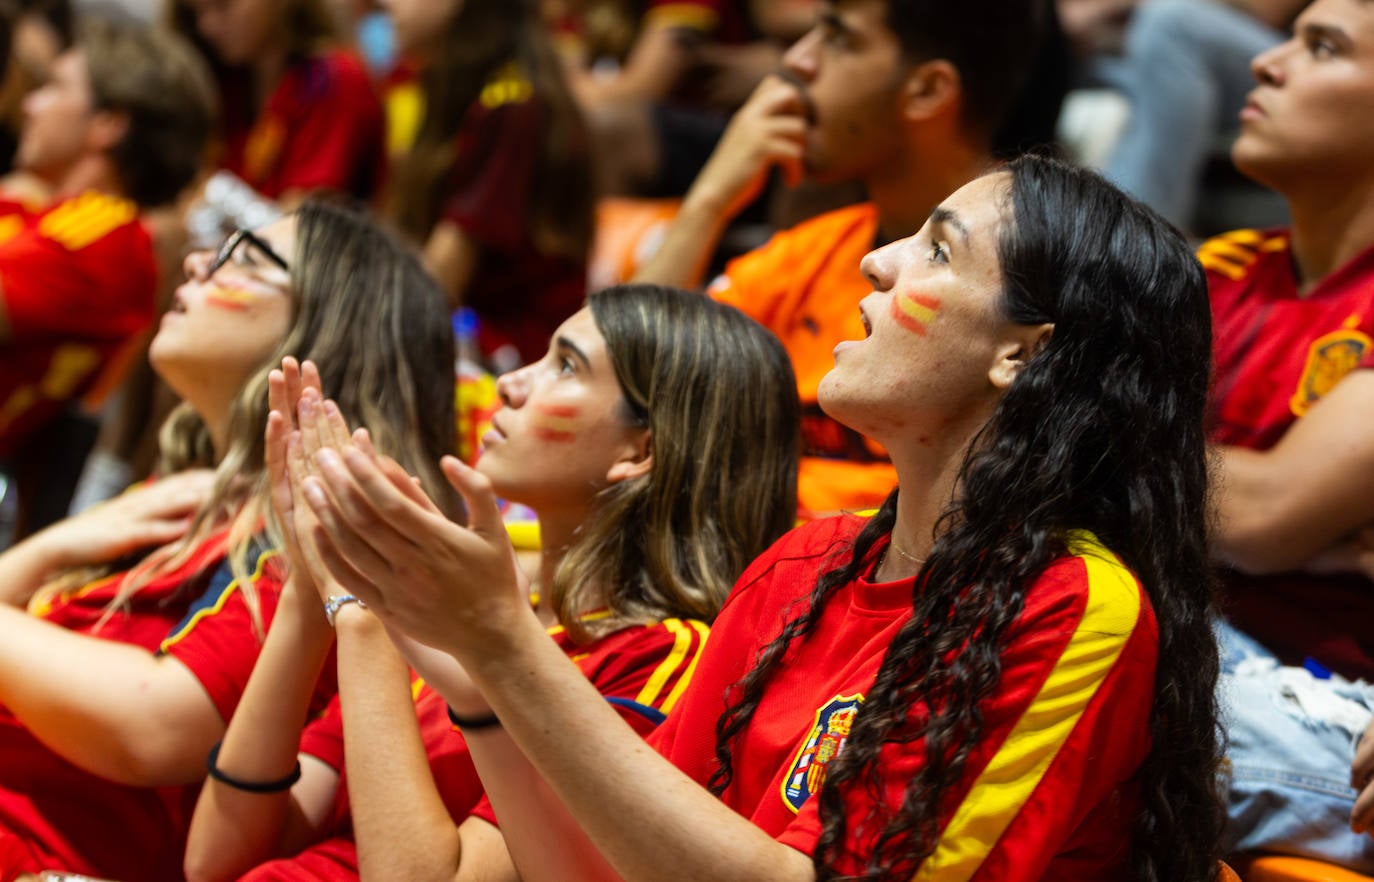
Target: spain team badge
{"points": [[1329, 359], [822, 744]]}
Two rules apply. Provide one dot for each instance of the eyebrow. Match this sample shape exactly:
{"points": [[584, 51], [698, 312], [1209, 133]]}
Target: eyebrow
{"points": [[1316, 31], [572, 347], [830, 17], [946, 218]]}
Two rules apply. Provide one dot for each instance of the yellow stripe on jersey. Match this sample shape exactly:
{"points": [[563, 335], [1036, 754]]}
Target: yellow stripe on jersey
{"points": [[595, 615], [507, 86], [1248, 237], [683, 640], [218, 605], [1231, 254], [41, 608], [703, 631], [85, 219], [1228, 251], [1109, 618], [405, 112], [10, 226], [682, 15]]}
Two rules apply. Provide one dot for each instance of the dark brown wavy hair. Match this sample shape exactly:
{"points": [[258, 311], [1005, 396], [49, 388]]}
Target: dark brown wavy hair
{"points": [[482, 39]]}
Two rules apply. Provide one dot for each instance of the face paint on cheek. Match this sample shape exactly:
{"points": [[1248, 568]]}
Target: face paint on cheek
{"points": [[555, 422], [231, 299], [914, 311]]}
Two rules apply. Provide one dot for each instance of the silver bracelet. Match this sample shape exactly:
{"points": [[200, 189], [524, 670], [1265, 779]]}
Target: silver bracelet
{"points": [[338, 602]]}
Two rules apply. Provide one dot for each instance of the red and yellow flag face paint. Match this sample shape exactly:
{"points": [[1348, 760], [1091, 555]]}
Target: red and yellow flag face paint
{"points": [[232, 299], [914, 311], [555, 422]]}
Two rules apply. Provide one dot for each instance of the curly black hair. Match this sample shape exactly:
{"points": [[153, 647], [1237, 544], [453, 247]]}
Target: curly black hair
{"points": [[1102, 430]]}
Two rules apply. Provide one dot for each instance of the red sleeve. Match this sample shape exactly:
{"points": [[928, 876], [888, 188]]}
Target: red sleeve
{"points": [[337, 137], [84, 270], [323, 738], [495, 161], [1064, 737], [218, 639], [641, 671]]}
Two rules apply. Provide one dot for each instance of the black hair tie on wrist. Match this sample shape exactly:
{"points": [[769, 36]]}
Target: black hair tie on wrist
{"points": [[277, 786], [467, 724]]}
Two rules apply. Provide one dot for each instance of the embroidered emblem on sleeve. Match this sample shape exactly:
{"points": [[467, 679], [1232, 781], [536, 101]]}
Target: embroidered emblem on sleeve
{"points": [[1329, 359]]}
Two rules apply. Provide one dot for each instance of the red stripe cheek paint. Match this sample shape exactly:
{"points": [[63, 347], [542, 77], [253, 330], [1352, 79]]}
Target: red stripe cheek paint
{"points": [[914, 311], [555, 422]]}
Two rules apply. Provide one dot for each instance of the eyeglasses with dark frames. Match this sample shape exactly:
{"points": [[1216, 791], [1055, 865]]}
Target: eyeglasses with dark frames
{"points": [[226, 251]]}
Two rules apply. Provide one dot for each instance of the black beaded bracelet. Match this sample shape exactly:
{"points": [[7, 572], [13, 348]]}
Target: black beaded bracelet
{"points": [[277, 786], [467, 724]]}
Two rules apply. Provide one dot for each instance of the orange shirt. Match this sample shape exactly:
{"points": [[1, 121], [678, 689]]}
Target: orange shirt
{"points": [[805, 287]]}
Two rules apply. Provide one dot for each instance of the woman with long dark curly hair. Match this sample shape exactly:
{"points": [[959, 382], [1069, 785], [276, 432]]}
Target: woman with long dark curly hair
{"points": [[1007, 673]]}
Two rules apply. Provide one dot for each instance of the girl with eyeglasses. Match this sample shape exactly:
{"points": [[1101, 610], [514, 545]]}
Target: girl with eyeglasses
{"points": [[131, 630]]}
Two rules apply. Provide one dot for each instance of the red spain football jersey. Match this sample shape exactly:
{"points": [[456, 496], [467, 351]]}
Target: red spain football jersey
{"points": [[642, 670], [58, 816], [804, 286], [322, 128], [1277, 353], [1049, 793], [79, 282]]}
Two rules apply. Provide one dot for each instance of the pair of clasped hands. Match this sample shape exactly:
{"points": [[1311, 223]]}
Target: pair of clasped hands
{"points": [[355, 522]]}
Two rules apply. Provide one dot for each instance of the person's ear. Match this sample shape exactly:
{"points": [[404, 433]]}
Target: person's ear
{"points": [[1024, 343], [636, 459], [108, 128], [932, 89]]}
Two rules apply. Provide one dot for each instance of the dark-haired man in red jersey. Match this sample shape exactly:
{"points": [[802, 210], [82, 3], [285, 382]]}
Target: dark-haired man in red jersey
{"points": [[1291, 427], [120, 126]]}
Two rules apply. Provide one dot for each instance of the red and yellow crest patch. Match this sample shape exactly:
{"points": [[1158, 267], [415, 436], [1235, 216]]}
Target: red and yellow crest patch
{"points": [[822, 744], [1329, 359]]}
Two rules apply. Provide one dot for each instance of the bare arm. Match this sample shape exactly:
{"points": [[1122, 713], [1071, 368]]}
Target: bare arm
{"points": [[535, 825], [1279, 508], [451, 257], [455, 588], [110, 708], [657, 61], [234, 830], [768, 130], [400, 823]]}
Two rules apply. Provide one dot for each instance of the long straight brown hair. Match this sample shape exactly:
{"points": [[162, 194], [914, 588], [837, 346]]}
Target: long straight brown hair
{"points": [[485, 37], [366, 312], [723, 485]]}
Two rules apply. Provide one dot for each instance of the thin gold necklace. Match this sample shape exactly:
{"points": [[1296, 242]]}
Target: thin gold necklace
{"points": [[919, 561]]}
